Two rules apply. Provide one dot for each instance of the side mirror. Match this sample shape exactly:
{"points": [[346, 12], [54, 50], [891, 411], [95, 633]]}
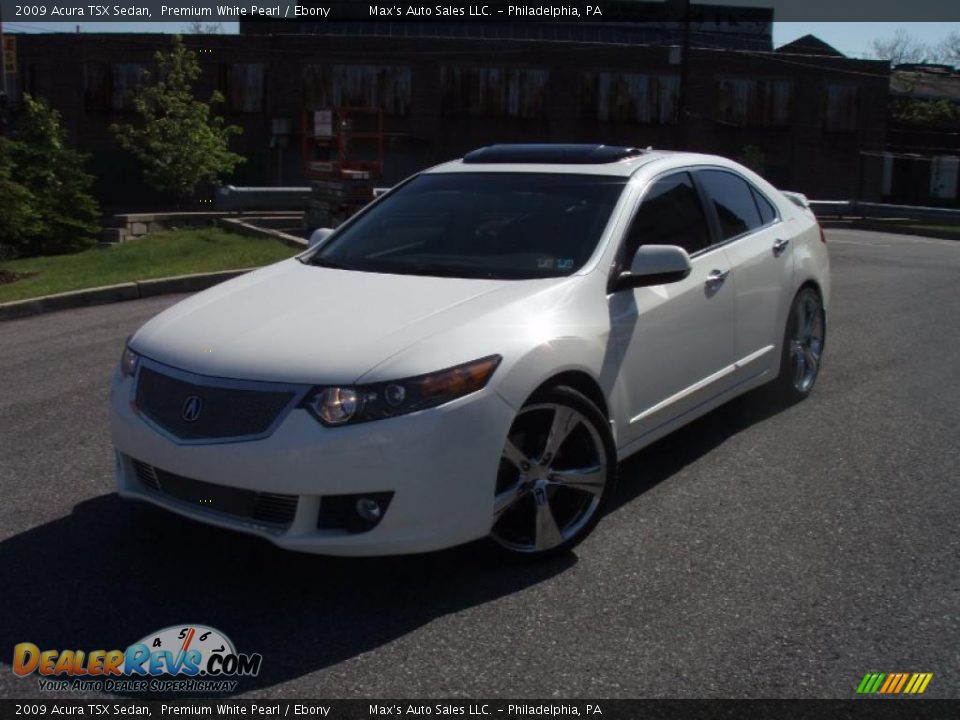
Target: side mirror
{"points": [[655, 265], [318, 236]]}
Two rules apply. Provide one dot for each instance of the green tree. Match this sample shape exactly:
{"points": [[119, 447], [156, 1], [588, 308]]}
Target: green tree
{"points": [[47, 206], [752, 157], [928, 113], [179, 140], [18, 216]]}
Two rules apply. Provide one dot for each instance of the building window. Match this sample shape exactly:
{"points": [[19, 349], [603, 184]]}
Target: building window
{"points": [[841, 111], [749, 102], [328, 86], [243, 87], [110, 86], [126, 78], [494, 91], [625, 97]]}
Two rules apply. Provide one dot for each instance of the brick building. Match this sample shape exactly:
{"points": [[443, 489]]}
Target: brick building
{"points": [[807, 117], [921, 165]]}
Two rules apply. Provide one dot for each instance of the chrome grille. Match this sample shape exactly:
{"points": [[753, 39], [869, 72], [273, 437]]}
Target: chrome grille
{"points": [[272, 509]]}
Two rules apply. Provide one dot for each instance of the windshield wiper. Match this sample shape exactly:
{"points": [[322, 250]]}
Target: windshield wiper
{"points": [[439, 270]]}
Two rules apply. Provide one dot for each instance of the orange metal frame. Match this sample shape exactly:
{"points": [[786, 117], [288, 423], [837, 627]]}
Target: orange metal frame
{"points": [[339, 143]]}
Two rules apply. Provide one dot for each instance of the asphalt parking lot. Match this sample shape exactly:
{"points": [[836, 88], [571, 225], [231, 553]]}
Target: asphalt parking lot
{"points": [[755, 553]]}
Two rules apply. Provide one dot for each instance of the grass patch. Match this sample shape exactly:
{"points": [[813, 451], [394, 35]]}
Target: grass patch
{"points": [[945, 229], [162, 254]]}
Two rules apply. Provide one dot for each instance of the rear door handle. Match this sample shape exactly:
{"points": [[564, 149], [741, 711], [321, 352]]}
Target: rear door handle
{"points": [[716, 277], [779, 246]]}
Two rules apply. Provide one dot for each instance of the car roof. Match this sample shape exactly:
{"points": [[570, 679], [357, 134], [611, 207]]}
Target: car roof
{"points": [[574, 159]]}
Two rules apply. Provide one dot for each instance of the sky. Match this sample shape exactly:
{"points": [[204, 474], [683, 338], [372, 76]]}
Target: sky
{"points": [[851, 38]]}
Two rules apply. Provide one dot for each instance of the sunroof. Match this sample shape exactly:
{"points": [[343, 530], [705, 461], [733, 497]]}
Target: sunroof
{"points": [[551, 154]]}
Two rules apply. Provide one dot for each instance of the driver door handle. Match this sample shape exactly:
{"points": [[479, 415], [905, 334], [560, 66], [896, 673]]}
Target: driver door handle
{"points": [[716, 277], [779, 246]]}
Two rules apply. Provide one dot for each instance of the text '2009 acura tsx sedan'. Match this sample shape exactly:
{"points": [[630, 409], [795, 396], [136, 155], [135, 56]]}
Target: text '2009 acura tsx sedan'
{"points": [[470, 355]]}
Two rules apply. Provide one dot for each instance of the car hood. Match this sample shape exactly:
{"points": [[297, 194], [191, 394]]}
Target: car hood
{"points": [[296, 323]]}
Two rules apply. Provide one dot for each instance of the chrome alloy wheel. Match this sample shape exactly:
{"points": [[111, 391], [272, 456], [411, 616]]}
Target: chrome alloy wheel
{"points": [[806, 345], [552, 477]]}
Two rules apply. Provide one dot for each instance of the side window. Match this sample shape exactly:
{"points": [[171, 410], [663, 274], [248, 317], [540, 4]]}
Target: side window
{"points": [[733, 200], [669, 214], [767, 212]]}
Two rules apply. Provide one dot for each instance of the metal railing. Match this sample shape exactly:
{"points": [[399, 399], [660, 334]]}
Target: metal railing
{"points": [[231, 198], [880, 211]]}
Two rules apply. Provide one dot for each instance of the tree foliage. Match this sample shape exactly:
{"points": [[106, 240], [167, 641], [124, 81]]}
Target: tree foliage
{"points": [[927, 113], [948, 51], [901, 47], [752, 157], [180, 141], [200, 28], [45, 202]]}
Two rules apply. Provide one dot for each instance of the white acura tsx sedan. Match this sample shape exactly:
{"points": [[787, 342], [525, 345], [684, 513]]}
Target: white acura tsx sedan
{"points": [[472, 354]]}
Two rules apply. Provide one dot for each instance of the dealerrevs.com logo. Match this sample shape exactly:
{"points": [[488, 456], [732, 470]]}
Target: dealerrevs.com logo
{"points": [[180, 658]]}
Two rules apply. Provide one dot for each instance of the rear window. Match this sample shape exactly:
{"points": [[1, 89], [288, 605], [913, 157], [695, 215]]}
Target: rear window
{"points": [[767, 212], [733, 201]]}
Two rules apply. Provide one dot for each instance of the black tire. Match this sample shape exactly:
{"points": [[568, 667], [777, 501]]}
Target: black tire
{"points": [[802, 347], [564, 485]]}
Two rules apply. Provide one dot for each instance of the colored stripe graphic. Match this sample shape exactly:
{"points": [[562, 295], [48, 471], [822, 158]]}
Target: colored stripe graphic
{"points": [[903, 679], [894, 683]]}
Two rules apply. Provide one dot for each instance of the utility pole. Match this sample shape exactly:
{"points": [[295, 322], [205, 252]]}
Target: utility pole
{"points": [[3, 53], [4, 98]]}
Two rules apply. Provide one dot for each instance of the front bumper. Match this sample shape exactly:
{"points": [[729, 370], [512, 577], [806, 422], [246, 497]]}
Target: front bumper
{"points": [[440, 464]]}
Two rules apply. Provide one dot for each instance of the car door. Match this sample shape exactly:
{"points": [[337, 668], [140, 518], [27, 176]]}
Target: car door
{"points": [[761, 258], [675, 341]]}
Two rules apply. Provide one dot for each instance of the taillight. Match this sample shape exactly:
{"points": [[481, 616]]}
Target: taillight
{"points": [[823, 238]]}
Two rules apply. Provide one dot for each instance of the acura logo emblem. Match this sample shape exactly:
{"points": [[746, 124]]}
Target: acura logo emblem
{"points": [[191, 409]]}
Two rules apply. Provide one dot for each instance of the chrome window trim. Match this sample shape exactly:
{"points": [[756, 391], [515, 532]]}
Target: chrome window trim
{"points": [[299, 392]]}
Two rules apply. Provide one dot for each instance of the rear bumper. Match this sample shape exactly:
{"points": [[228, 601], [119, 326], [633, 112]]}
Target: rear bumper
{"points": [[440, 464]]}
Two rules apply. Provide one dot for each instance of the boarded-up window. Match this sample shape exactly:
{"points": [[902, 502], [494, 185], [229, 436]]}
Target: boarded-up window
{"points": [[494, 91], [97, 92], [754, 102], [388, 88], [841, 112], [629, 97], [110, 86], [126, 78], [243, 87]]}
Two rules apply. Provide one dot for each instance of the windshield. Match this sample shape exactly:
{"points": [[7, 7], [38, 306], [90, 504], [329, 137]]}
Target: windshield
{"points": [[489, 225]]}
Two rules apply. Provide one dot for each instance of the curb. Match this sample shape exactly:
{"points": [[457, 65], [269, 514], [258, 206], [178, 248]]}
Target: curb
{"points": [[115, 293], [240, 226]]}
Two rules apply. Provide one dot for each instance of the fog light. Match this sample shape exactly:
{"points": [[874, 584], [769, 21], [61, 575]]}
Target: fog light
{"points": [[369, 509], [357, 513]]}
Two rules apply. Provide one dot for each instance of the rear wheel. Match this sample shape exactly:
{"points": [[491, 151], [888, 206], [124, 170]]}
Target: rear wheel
{"points": [[803, 345], [555, 477]]}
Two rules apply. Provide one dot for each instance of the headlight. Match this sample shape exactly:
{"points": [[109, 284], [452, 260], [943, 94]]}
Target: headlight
{"points": [[362, 403], [128, 362]]}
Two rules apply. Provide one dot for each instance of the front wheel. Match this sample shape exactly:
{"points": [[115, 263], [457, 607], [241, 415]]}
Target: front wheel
{"points": [[803, 345], [555, 477]]}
